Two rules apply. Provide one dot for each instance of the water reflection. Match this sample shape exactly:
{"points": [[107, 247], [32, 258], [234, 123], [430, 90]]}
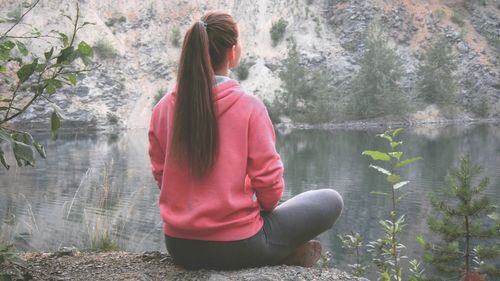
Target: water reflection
{"points": [[60, 201]]}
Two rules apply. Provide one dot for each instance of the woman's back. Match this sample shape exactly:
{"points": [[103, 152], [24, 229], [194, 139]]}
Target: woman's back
{"points": [[219, 206]]}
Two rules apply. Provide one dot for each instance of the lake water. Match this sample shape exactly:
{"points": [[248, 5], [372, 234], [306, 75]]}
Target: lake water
{"points": [[102, 183]]}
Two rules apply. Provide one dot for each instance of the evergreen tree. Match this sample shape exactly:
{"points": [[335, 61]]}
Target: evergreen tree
{"points": [[436, 81], [376, 87], [306, 94], [462, 223]]}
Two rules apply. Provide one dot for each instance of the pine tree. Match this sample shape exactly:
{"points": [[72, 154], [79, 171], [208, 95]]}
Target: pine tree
{"points": [[376, 87], [436, 81], [307, 95], [463, 222]]}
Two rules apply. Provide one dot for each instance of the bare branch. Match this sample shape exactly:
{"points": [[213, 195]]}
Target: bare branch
{"points": [[19, 20], [81, 70], [11, 101]]}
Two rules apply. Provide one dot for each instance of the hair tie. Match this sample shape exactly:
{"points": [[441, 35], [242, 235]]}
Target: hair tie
{"points": [[204, 23]]}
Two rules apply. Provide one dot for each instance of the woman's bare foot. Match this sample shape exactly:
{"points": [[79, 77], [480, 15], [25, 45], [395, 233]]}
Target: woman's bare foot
{"points": [[306, 255]]}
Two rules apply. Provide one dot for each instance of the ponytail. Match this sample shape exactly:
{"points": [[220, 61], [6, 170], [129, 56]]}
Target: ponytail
{"points": [[195, 130], [195, 135]]}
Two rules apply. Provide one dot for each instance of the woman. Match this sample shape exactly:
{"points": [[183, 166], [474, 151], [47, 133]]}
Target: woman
{"points": [[213, 155]]}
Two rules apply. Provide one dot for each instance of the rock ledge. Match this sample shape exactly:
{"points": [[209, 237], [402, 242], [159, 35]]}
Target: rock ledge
{"points": [[155, 266]]}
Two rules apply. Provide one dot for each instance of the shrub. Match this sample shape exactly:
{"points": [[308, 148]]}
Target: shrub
{"points": [[241, 70], [438, 13], [317, 28], [278, 31], [105, 50], [481, 108], [458, 16], [103, 241], [159, 94], [113, 118], [176, 36], [114, 20], [376, 87]]}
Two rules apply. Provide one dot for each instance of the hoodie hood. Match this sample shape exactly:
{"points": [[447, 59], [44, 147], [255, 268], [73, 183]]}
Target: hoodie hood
{"points": [[226, 95]]}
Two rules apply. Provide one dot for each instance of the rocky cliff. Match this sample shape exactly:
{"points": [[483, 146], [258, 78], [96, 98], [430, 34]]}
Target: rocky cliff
{"points": [[138, 58]]}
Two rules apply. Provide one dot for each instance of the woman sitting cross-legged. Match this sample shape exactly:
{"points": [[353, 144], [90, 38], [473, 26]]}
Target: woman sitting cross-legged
{"points": [[213, 155]]}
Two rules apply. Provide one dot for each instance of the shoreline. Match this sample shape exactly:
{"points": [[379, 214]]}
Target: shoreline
{"points": [[346, 125], [373, 124]]}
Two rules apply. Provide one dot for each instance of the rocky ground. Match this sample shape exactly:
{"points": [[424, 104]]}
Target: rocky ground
{"points": [[74, 265]]}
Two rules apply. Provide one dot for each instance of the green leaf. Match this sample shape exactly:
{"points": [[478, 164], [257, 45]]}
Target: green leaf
{"points": [[5, 136], [377, 155], [72, 78], [65, 55], [40, 149], [22, 48], [380, 169], [5, 50], [3, 69], [396, 154], [396, 132], [26, 70], [2, 158], [55, 123], [24, 152], [4, 54], [48, 55], [407, 162], [52, 85], [401, 197], [385, 136], [87, 23], [494, 216], [380, 193], [86, 61], [393, 178], [400, 184], [421, 240], [394, 144], [85, 49], [64, 39], [8, 45]]}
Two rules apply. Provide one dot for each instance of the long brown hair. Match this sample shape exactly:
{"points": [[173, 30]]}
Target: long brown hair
{"points": [[195, 128]]}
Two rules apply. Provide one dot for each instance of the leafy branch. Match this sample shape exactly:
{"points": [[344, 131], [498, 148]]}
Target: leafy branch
{"points": [[41, 77]]}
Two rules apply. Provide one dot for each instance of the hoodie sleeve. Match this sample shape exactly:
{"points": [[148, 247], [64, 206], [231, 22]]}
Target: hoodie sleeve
{"points": [[264, 168], [156, 153]]}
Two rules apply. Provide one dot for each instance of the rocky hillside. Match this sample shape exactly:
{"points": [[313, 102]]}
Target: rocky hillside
{"points": [[138, 58]]}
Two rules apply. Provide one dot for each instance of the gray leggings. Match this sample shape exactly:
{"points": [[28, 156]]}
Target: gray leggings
{"points": [[290, 225]]}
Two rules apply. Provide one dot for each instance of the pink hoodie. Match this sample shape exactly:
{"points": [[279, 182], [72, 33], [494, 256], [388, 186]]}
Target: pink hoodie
{"points": [[220, 207]]}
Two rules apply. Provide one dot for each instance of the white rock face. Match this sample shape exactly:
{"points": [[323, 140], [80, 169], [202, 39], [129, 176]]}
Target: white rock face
{"points": [[121, 92], [140, 31]]}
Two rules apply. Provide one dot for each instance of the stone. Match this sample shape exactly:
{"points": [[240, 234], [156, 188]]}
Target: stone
{"points": [[82, 91], [462, 48]]}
